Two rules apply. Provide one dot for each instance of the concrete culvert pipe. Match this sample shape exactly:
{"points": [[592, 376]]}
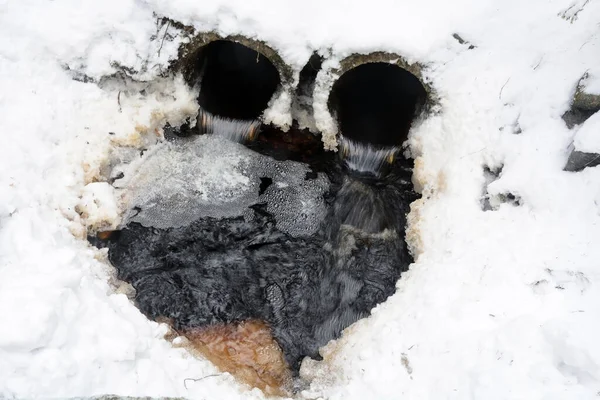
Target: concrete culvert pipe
{"points": [[375, 103], [369, 98], [238, 79], [235, 81]]}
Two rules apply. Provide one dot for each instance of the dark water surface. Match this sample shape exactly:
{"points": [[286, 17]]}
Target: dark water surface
{"points": [[306, 287]]}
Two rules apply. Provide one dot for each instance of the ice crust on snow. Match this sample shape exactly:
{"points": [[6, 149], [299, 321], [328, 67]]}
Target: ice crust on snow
{"points": [[499, 304], [210, 176]]}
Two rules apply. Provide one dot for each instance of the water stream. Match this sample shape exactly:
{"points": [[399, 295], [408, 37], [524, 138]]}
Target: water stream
{"points": [[217, 233]]}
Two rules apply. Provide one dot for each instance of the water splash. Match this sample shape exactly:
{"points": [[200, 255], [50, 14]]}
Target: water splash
{"points": [[368, 208], [238, 131], [364, 158]]}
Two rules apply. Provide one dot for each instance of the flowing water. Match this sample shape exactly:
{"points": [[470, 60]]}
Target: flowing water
{"points": [[364, 158], [233, 129], [222, 235]]}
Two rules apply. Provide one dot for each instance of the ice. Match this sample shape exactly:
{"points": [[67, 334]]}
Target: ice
{"points": [[180, 182], [299, 209], [212, 176]]}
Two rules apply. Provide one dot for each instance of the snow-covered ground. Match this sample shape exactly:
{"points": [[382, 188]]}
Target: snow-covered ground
{"points": [[500, 304]]}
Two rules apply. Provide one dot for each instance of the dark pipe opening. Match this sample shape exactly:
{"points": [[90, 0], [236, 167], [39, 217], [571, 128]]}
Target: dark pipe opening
{"points": [[376, 103], [235, 81]]}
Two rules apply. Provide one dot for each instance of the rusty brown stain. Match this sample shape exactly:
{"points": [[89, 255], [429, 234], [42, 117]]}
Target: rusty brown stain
{"points": [[105, 235], [247, 351]]}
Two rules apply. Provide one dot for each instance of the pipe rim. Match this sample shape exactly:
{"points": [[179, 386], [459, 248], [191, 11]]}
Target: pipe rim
{"points": [[327, 77]]}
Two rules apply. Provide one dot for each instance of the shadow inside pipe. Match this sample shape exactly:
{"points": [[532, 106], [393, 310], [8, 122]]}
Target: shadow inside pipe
{"points": [[375, 103], [235, 81]]}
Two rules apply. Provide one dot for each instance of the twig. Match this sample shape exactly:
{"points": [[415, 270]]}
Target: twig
{"points": [[574, 16], [119, 101], [586, 42], [501, 89], [164, 36], [198, 379], [475, 152], [564, 13], [538, 64]]}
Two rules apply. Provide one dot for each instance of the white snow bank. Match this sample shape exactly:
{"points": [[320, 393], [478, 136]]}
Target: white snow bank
{"points": [[294, 29]]}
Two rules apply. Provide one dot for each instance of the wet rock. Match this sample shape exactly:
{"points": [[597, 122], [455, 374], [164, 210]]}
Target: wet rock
{"points": [[576, 116], [583, 106], [583, 152], [579, 160], [585, 149]]}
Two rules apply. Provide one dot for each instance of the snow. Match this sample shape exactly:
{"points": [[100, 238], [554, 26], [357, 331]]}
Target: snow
{"points": [[593, 84], [587, 138], [98, 206], [499, 304], [591, 81]]}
